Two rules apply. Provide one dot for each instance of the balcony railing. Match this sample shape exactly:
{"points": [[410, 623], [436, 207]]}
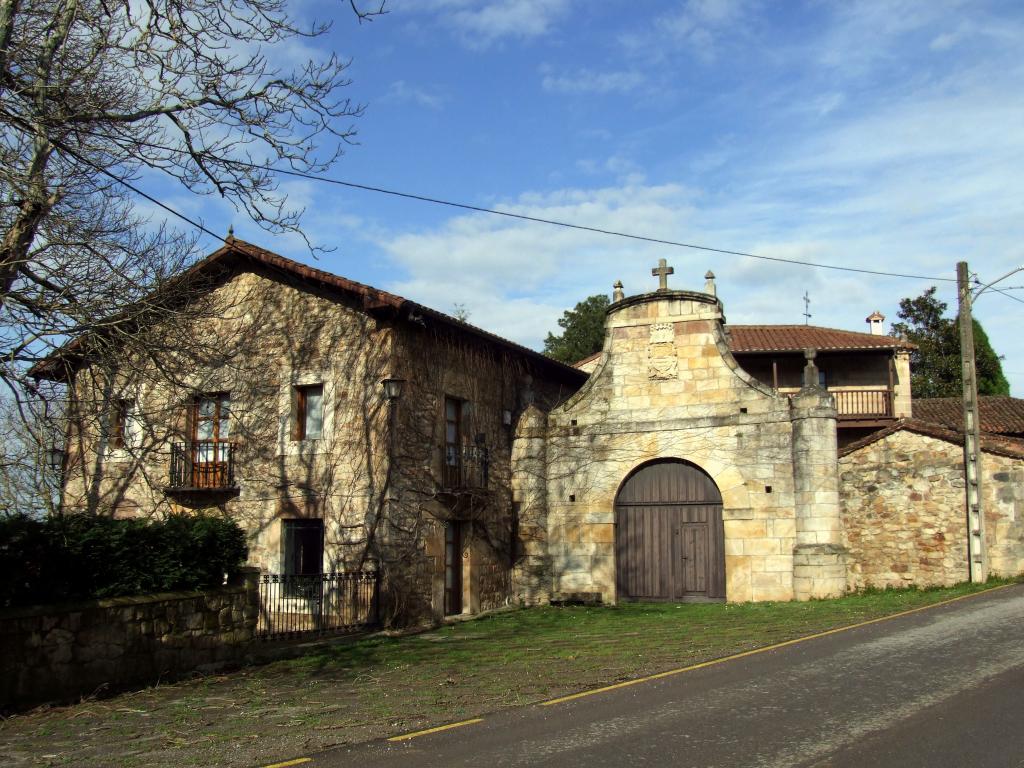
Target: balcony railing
{"points": [[465, 467], [202, 465], [863, 404]]}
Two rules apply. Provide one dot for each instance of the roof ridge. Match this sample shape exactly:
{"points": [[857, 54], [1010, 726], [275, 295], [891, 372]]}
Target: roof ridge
{"points": [[234, 246], [990, 441], [809, 327]]}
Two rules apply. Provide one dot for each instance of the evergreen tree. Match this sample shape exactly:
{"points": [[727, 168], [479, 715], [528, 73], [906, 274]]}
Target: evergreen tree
{"points": [[583, 331], [935, 364]]}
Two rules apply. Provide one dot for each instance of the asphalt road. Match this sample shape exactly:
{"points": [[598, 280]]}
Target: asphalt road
{"points": [[941, 687]]}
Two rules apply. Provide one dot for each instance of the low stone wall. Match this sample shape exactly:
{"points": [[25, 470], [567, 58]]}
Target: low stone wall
{"points": [[904, 520], [59, 653]]}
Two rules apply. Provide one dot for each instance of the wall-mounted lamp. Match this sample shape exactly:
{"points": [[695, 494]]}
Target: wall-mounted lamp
{"points": [[506, 417], [392, 388], [55, 458]]}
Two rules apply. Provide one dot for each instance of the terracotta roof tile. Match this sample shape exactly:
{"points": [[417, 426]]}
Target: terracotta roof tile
{"points": [[1000, 415], [796, 338], [997, 444], [587, 359], [371, 298]]}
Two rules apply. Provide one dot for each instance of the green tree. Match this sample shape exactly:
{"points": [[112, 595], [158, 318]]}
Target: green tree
{"points": [[935, 364], [583, 331]]}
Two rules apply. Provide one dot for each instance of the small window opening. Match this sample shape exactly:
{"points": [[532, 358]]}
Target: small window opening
{"points": [[118, 423], [309, 412]]}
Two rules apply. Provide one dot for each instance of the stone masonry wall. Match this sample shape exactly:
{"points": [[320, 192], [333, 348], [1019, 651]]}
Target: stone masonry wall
{"points": [[373, 476], [902, 500], [63, 652], [272, 336], [667, 387]]}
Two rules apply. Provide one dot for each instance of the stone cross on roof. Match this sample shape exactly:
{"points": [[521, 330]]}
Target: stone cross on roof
{"points": [[662, 271]]}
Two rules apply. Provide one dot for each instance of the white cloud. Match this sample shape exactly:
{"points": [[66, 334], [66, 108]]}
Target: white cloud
{"points": [[517, 277], [403, 93], [696, 26], [622, 168], [589, 81], [481, 23], [910, 184]]}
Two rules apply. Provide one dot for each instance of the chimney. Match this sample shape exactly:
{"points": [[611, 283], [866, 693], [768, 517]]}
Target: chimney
{"points": [[874, 321]]}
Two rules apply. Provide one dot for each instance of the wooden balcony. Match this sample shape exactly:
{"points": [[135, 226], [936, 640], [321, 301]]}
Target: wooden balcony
{"points": [[863, 407], [202, 465]]}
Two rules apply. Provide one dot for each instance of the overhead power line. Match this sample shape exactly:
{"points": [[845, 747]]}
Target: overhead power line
{"points": [[595, 230], [493, 212]]}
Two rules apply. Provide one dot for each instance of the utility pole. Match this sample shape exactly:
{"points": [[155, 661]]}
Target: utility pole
{"points": [[972, 429]]}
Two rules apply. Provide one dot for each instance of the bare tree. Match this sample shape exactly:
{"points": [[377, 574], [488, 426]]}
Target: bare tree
{"points": [[30, 474], [97, 97], [93, 96]]}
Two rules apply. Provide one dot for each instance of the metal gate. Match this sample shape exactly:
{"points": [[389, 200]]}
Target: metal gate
{"points": [[292, 605], [669, 539]]}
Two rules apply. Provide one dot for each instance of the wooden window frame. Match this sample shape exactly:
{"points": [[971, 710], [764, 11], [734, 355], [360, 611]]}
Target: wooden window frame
{"points": [[119, 422], [451, 452], [219, 399], [300, 396]]}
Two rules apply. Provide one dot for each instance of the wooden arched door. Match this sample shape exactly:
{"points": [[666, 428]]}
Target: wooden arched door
{"points": [[669, 540]]}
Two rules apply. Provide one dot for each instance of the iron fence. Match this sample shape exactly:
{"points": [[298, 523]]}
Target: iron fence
{"points": [[320, 603]]}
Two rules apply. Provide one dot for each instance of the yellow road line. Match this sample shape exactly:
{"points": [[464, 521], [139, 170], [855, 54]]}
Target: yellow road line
{"points": [[765, 649], [287, 763], [439, 728]]}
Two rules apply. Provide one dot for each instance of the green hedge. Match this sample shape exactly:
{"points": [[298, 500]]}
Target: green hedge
{"points": [[79, 557]]}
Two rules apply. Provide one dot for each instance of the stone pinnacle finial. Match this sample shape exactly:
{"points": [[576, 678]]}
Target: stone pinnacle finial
{"points": [[709, 283], [617, 292], [662, 271], [811, 380]]}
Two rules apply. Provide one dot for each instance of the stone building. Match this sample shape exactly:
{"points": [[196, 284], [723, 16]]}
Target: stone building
{"points": [[693, 465], [867, 374], [902, 505], [267, 404], [347, 428], [675, 474]]}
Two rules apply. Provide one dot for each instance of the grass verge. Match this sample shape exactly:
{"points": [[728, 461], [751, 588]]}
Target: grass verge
{"points": [[381, 686]]}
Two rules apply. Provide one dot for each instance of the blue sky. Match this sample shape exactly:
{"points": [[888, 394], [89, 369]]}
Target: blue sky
{"points": [[883, 135]]}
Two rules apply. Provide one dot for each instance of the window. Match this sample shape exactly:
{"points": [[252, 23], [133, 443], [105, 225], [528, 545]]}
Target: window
{"points": [[309, 412], [303, 547], [211, 452], [453, 413], [211, 417], [119, 423]]}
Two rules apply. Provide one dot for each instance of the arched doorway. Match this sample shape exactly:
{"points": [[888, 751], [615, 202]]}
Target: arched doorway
{"points": [[669, 541]]}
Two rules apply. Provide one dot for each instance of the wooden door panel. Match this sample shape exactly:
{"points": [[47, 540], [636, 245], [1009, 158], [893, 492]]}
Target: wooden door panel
{"points": [[694, 558], [669, 537], [644, 549]]}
